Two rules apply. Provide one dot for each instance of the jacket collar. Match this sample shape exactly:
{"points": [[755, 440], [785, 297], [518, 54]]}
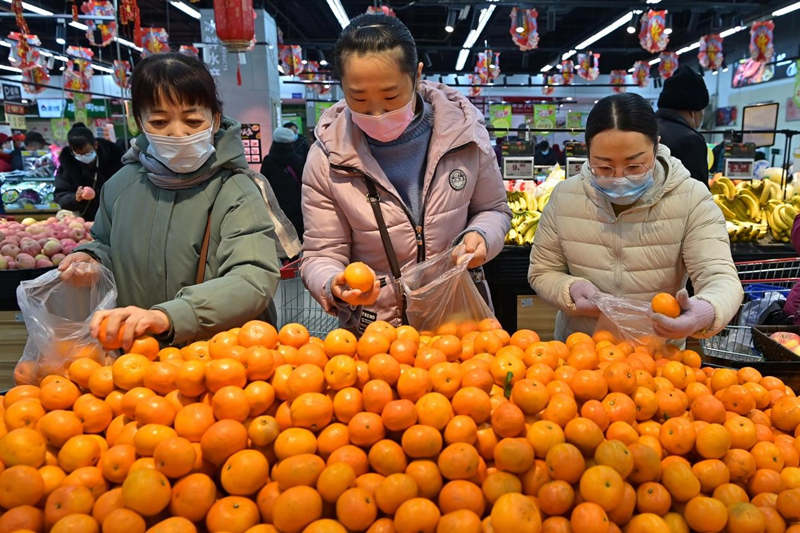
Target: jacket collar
{"points": [[454, 125], [672, 115], [668, 174]]}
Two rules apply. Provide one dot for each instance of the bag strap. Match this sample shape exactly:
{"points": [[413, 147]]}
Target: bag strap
{"points": [[201, 262], [391, 256]]}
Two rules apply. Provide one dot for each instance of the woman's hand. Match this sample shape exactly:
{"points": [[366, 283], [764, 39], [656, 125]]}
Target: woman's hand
{"points": [[79, 269], [696, 315], [582, 293], [354, 297], [137, 322], [472, 243], [88, 194]]}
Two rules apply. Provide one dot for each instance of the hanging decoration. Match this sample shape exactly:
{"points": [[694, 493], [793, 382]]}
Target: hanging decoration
{"points": [[381, 10], [567, 71], [528, 39], [291, 57], [710, 54], [652, 36], [25, 56], [618, 78], [761, 41], [189, 50], [235, 20], [35, 77], [314, 73], [16, 7], [475, 79], [154, 41], [589, 66], [105, 30], [668, 64], [122, 74], [641, 71], [78, 74]]}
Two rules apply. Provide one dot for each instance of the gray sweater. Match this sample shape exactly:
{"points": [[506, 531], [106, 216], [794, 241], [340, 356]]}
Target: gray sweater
{"points": [[404, 159]]}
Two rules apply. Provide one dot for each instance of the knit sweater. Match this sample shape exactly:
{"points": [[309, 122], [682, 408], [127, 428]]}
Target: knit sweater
{"points": [[404, 159]]}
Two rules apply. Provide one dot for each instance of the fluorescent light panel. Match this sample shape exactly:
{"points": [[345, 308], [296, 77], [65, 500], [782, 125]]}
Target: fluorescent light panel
{"points": [[688, 48], [655, 61], [12, 69], [78, 25], [787, 9], [186, 8], [546, 68], [339, 12], [731, 31], [463, 55], [567, 55], [472, 36], [627, 17]]}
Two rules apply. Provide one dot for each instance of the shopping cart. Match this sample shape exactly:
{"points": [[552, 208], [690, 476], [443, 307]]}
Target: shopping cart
{"points": [[295, 304], [760, 280]]}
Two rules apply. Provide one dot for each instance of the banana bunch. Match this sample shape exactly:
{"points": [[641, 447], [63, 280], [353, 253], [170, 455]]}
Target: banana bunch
{"points": [[755, 209], [525, 219]]}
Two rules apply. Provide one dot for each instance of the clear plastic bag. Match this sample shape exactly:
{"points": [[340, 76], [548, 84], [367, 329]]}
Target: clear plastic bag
{"points": [[57, 316], [441, 290], [627, 319]]}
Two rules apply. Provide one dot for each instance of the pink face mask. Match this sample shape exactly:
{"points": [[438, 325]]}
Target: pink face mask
{"points": [[388, 126]]}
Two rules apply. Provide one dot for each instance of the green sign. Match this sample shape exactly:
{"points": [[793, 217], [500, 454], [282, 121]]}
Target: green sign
{"points": [[319, 109], [81, 115], [574, 119], [500, 118], [796, 95], [59, 127], [544, 116]]}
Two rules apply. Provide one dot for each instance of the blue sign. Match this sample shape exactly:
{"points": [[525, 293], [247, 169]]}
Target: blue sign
{"points": [[297, 96]]}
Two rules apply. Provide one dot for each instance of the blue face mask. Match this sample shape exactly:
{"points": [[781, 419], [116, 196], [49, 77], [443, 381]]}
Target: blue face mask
{"points": [[87, 158], [624, 190]]}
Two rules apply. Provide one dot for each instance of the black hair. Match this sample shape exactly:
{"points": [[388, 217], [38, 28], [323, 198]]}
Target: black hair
{"points": [[289, 125], [79, 135], [175, 78], [626, 112], [35, 137], [376, 33]]}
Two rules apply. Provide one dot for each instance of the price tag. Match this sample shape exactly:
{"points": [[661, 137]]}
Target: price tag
{"points": [[518, 167], [574, 165], [740, 169]]}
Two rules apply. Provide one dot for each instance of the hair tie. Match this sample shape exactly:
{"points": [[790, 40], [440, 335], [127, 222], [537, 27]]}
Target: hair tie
{"points": [[371, 26]]}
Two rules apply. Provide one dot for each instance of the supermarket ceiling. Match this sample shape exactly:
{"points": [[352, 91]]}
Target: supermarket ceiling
{"points": [[563, 24]]}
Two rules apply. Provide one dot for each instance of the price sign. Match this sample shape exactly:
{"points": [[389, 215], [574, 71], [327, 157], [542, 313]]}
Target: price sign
{"points": [[740, 169], [574, 165], [251, 140], [518, 167], [17, 122]]}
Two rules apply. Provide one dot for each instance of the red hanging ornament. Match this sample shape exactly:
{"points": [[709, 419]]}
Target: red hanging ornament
{"points": [[668, 64], [549, 89], [381, 10], [652, 35], [189, 50], [710, 53], [528, 38], [589, 66], [475, 79], [567, 71], [761, 48], [154, 41], [641, 71], [122, 73], [107, 28], [78, 73], [291, 57], [235, 23], [618, 78], [16, 7]]}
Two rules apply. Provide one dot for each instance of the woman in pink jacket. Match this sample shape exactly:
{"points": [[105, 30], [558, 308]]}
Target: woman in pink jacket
{"points": [[402, 169]]}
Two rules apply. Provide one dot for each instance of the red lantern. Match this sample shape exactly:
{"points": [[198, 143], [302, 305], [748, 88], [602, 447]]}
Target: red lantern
{"points": [[652, 35], [235, 23], [668, 64], [618, 78]]}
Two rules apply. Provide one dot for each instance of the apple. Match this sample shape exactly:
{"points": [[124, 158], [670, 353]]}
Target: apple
{"points": [[786, 339]]}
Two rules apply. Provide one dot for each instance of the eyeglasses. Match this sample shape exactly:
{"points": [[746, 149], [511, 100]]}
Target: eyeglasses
{"points": [[638, 170]]}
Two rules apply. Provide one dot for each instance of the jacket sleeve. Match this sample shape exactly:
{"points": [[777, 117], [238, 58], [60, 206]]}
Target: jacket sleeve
{"points": [[100, 247], [694, 156], [796, 234], [327, 235], [248, 276], [66, 186], [707, 256], [548, 272], [488, 209]]}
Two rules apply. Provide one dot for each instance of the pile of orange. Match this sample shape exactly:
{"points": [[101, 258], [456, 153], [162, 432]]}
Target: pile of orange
{"points": [[465, 429]]}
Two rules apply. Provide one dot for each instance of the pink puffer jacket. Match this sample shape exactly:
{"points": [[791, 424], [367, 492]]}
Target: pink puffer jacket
{"points": [[462, 190]]}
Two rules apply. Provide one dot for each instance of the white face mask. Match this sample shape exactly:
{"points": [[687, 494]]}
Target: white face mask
{"points": [[86, 158], [182, 155]]}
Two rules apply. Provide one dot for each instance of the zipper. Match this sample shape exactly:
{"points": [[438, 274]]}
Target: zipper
{"points": [[420, 238]]}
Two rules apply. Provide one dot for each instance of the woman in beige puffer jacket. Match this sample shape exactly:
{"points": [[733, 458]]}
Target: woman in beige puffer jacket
{"points": [[632, 224]]}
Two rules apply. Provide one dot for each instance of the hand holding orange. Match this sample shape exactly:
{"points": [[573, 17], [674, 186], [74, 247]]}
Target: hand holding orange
{"points": [[359, 276], [665, 304]]}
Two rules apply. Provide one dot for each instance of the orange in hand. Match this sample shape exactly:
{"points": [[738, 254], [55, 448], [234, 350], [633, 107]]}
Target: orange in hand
{"points": [[665, 304], [359, 276], [108, 343]]}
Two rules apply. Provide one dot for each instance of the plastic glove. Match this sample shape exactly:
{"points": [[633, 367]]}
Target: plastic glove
{"points": [[696, 315], [582, 293]]}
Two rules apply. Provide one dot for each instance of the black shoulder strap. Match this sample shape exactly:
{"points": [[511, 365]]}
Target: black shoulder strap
{"points": [[391, 256]]}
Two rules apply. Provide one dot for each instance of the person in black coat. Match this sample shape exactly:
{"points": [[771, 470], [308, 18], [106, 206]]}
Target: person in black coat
{"points": [[300, 144], [544, 154], [84, 167], [680, 113], [283, 167]]}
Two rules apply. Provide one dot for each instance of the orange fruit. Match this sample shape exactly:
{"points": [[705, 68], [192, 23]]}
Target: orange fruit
{"points": [[556, 497], [20, 485], [257, 333], [66, 500], [705, 514], [359, 276], [416, 515], [174, 457], [146, 346], [76, 522], [295, 508], [356, 509], [515, 512], [427, 476], [588, 517], [223, 439], [192, 497], [302, 469], [128, 371], [110, 343], [22, 518], [147, 492], [123, 521], [681, 482], [244, 473], [602, 485], [116, 462], [334, 480], [745, 518], [565, 461], [652, 497], [665, 304], [420, 441], [457, 495]]}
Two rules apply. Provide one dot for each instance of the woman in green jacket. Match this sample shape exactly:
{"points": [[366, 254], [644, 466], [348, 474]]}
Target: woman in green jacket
{"points": [[183, 180]]}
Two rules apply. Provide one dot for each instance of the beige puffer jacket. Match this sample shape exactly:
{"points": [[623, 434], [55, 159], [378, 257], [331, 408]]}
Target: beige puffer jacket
{"points": [[672, 231]]}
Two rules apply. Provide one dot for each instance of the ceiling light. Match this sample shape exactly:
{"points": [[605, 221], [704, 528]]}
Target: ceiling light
{"points": [[33, 9], [323, 63], [472, 37], [186, 8], [731, 31], [596, 101], [631, 30], [304, 61], [725, 68], [60, 41], [630, 69], [12, 69], [78, 25], [450, 26], [668, 31], [4, 43], [655, 61], [624, 19], [546, 68], [24, 101], [127, 43], [569, 54], [339, 12], [714, 72], [787, 9], [653, 2], [688, 48], [102, 68]]}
